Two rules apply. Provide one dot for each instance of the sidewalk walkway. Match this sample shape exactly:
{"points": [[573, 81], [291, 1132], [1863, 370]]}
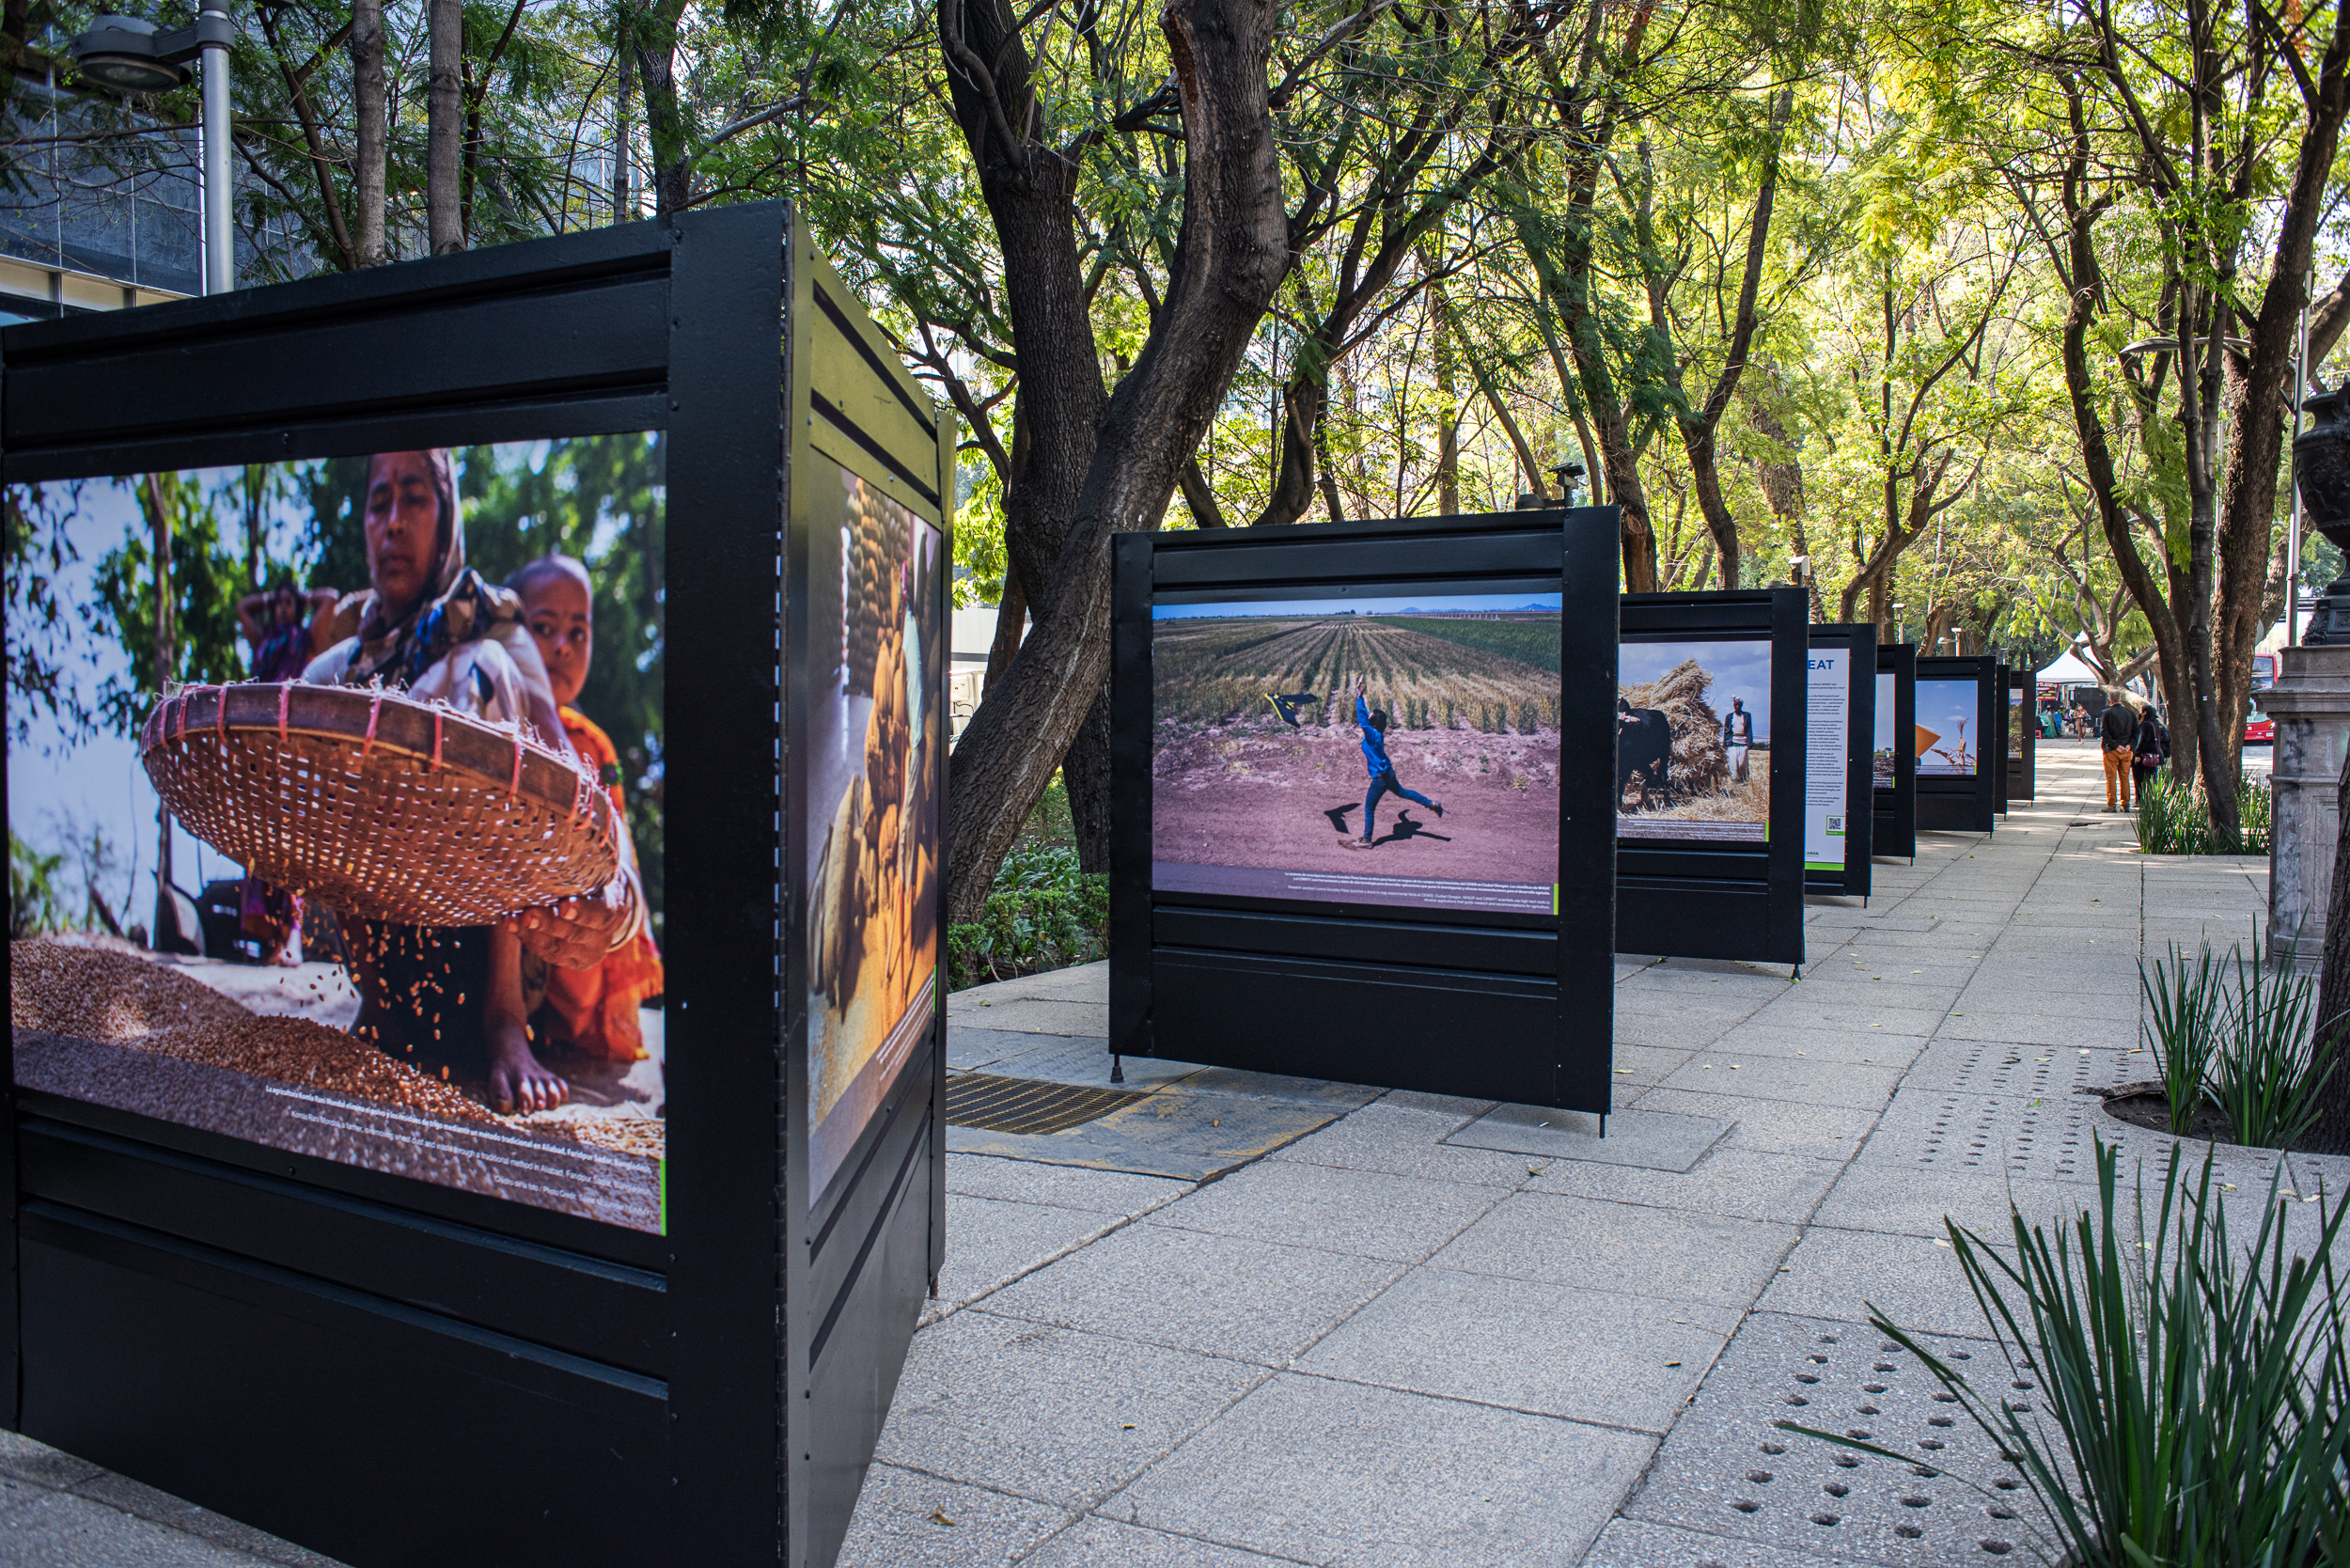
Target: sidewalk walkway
{"points": [[1388, 1330]]}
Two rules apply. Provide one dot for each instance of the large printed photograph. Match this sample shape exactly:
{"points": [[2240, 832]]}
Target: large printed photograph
{"points": [[874, 787], [1399, 750], [1949, 727], [334, 810], [1882, 758], [1693, 739]]}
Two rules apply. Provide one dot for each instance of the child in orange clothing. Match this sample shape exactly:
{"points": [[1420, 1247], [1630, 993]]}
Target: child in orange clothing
{"points": [[594, 1010]]}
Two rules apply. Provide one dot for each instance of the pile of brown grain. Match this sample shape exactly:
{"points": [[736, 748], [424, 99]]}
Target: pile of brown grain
{"points": [[95, 994], [647, 1136]]}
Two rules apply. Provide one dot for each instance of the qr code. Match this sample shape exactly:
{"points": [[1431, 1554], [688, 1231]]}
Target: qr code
{"points": [[1836, 824]]}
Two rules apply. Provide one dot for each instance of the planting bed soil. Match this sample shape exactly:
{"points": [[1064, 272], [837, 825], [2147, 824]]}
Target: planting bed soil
{"points": [[114, 1028], [2144, 1104]]}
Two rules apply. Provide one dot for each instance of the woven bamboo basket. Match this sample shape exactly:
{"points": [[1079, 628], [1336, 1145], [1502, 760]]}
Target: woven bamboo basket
{"points": [[377, 805]]}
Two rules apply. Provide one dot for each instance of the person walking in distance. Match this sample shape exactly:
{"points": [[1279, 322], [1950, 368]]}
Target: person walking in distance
{"points": [[1737, 735], [1373, 723], [2117, 738], [2153, 749]]}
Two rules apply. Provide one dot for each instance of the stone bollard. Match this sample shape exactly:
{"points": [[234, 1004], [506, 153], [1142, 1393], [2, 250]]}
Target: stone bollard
{"points": [[2311, 703]]}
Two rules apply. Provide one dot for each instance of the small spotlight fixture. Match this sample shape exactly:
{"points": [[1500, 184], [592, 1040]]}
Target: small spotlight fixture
{"points": [[128, 54]]}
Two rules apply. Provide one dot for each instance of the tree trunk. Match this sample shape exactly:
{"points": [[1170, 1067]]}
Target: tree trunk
{"points": [[623, 92], [1448, 403], [1012, 616], [1229, 255], [445, 126], [1084, 773], [159, 534], [664, 117], [2258, 412], [367, 90]]}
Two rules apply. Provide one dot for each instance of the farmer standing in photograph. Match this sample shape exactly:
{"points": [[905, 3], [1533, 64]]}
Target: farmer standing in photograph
{"points": [[1737, 734], [1382, 779]]}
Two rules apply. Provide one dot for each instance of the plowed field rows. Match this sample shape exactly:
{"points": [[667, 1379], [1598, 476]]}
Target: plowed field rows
{"points": [[1428, 672]]}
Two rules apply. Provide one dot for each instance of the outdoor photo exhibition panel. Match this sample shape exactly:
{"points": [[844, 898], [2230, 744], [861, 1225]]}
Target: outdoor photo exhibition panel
{"points": [[1711, 726], [1839, 807], [1359, 825], [339, 1186], [1894, 757], [1956, 725], [2023, 734]]}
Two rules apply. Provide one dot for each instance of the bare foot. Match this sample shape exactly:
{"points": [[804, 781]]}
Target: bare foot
{"points": [[518, 1080]]}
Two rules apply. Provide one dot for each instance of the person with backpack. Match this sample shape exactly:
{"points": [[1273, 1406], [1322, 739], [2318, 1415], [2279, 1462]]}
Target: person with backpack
{"points": [[2117, 738], [2153, 749]]}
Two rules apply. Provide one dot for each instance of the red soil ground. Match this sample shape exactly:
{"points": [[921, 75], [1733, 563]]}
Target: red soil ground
{"points": [[1249, 795]]}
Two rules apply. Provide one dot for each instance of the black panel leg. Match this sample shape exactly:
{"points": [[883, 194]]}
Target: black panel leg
{"points": [[1118, 1068]]}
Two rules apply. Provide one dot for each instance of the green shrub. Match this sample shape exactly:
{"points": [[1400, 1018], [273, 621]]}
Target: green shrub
{"points": [[2183, 1006], [2238, 1034], [2176, 821], [1041, 913], [2183, 1399], [34, 903]]}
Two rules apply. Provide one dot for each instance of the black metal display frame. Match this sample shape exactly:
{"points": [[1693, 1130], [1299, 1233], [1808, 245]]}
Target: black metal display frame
{"points": [[1967, 805], [2023, 721], [1895, 830], [1857, 641], [392, 1372], [1696, 899], [1517, 1008]]}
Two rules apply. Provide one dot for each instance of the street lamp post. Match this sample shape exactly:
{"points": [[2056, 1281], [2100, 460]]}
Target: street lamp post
{"points": [[130, 56]]}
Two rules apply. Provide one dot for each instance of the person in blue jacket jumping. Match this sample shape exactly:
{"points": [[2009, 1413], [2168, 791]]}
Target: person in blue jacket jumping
{"points": [[1383, 780]]}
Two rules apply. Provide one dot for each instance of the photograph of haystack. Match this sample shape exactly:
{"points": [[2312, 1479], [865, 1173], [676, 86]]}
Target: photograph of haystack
{"points": [[1693, 736], [341, 829], [1949, 740], [1400, 750]]}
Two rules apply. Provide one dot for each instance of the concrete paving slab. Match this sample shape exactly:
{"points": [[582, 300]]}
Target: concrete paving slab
{"points": [[1110, 1192], [1729, 1469], [1554, 1349], [230, 1535], [1772, 1126], [1035, 1016], [62, 1530], [1643, 1065], [1894, 1200], [1403, 1141], [1740, 1182], [2112, 1027], [1998, 1067], [1724, 1068], [969, 1048], [22, 1459], [1367, 1214], [1870, 1046], [1934, 1131], [1220, 1295], [1915, 1281], [1097, 1543], [1634, 1543], [995, 1241], [1048, 1413], [1276, 1086], [1659, 1252], [1325, 1471], [905, 1519], [1802, 1012], [1652, 1141]]}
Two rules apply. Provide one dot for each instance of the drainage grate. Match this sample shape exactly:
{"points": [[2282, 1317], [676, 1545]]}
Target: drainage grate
{"points": [[1000, 1105]]}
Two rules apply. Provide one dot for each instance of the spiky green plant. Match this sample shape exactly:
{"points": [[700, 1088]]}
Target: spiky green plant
{"points": [[2190, 1400], [2182, 1027]]}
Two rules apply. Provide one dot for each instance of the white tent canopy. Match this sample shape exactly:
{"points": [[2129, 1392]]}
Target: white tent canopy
{"points": [[2066, 670]]}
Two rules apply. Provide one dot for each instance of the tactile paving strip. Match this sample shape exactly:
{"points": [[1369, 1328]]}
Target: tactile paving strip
{"points": [[1989, 1067], [2041, 1135], [1729, 1469]]}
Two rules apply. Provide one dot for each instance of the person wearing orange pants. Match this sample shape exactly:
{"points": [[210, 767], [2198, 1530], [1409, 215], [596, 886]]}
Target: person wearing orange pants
{"points": [[2117, 738]]}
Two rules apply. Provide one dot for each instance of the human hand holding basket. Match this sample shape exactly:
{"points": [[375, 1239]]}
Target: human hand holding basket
{"points": [[386, 808]]}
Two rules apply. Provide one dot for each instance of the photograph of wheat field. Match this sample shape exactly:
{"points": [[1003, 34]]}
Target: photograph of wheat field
{"points": [[1265, 767]]}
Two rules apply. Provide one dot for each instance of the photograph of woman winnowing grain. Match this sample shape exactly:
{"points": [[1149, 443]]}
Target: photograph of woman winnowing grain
{"points": [[479, 1002], [1693, 735]]}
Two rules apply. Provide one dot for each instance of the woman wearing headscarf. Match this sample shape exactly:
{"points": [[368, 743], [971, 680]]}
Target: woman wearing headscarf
{"points": [[430, 626]]}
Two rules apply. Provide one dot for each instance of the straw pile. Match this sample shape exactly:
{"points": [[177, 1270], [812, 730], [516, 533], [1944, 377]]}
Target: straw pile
{"points": [[1699, 765]]}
